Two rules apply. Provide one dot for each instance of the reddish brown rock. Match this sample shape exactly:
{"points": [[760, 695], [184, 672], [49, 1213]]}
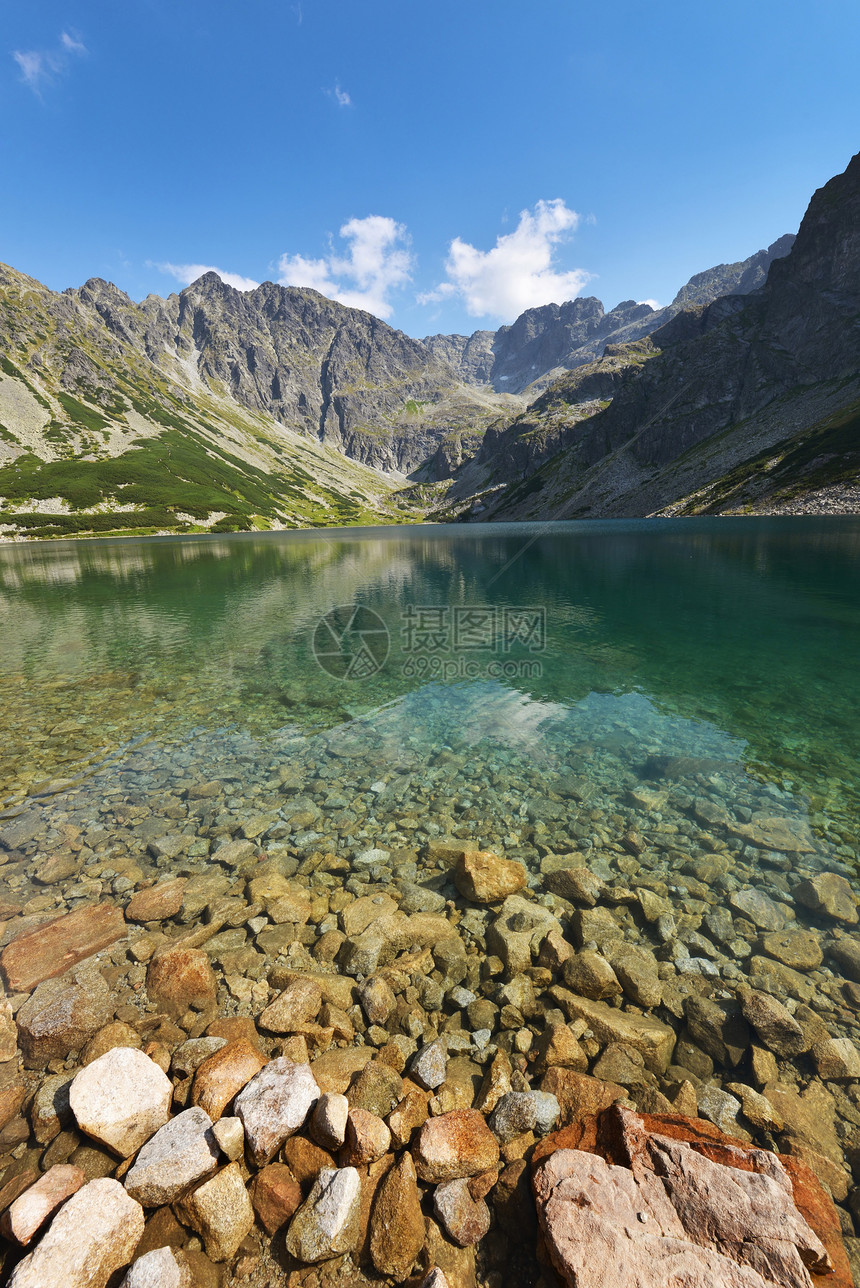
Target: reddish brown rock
{"points": [[454, 1145], [718, 1213], [181, 978], [305, 1160], [276, 1196], [578, 1094], [11, 1100], [25, 1217], [57, 946], [223, 1074], [482, 877], [158, 903]]}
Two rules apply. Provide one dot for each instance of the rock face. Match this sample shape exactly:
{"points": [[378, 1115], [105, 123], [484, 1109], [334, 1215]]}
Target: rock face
{"points": [[543, 340], [671, 1211], [691, 421], [93, 1235], [121, 1099]]}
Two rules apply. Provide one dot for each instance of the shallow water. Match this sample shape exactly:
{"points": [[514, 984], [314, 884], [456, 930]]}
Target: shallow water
{"points": [[734, 640]]}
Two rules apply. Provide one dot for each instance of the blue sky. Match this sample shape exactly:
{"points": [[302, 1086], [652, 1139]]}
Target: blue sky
{"points": [[444, 164]]}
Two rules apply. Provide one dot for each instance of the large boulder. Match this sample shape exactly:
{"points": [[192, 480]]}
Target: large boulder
{"points": [[642, 1206]]}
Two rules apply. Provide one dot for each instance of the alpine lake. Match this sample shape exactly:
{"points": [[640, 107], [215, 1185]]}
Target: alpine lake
{"points": [[667, 710]]}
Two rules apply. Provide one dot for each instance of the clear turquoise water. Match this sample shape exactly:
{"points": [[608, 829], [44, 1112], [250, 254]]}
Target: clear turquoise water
{"points": [[732, 641]]}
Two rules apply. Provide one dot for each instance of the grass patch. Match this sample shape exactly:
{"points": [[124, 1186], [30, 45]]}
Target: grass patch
{"points": [[79, 414]]}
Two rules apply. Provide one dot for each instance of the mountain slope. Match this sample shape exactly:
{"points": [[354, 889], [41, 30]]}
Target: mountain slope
{"points": [[747, 402], [212, 408]]}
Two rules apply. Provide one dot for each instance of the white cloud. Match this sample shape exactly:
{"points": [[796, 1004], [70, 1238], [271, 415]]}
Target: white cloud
{"points": [[72, 43], [32, 66], [188, 273], [376, 261], [39, 66], [342, 98], [653, 303], [519, 272]]}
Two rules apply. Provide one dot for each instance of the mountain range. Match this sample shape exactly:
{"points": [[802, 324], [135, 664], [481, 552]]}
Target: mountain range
{"points": [[222, 410]]}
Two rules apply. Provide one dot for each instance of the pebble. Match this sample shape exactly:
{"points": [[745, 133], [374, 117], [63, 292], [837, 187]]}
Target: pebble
{"points": [[367, 1137], [230, 1135], [328, 1120], [429, 1066], [121, 1099]]}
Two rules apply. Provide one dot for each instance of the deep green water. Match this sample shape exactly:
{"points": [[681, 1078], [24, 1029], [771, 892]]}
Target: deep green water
{"points": [[729, 640]]}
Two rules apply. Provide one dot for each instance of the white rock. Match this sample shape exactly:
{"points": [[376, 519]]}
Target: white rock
{"points": [[121, 1099], [329, 1221], [92, 1235], [158, 1269], [182, 1152], [328, 1121], [230, 1135], [274, 1105], [435, 1279], [429, 1065]]}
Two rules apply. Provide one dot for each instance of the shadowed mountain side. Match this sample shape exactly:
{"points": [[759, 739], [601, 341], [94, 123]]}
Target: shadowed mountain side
{"points": [[718, 399]]}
